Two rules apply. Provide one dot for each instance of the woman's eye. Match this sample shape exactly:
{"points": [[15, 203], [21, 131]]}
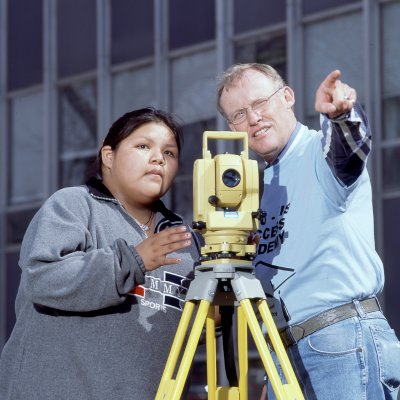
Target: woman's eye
{"points": [[170, 153], [142, 146]]}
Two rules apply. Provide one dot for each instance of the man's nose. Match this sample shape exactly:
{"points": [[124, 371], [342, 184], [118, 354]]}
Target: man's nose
{"points": [[253, 117]]}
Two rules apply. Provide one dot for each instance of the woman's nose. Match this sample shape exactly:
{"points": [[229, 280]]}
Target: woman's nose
{"points": [[157, 157]]}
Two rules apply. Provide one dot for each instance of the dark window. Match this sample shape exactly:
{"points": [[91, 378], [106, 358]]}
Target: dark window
{"points": [[311, 6], [391, 168], [26, 149], [13, 274], [391, 119], [253, 14], [190, 22], [192, 147], [182, 191], [25, 49], [78, 129], [78, 118], [132, 30], [312, 121], [75, 172], [17, 223], [391, 217], [182, 198], [76, 33], [269, 50]]}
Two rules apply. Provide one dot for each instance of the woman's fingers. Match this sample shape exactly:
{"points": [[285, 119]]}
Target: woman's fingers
{"points": [[154, 250]]}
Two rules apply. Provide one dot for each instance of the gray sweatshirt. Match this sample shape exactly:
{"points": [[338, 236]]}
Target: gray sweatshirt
{"points": [[90, 324]]}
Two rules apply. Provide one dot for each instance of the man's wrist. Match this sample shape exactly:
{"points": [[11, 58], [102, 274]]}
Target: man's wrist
{"points": [[339, 118]]}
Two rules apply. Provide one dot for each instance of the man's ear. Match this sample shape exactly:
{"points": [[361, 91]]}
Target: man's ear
{"points": [[232, 127], [107, 155], [288, 94]]}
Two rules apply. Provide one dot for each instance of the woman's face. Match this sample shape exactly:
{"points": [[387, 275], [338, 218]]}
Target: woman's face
{"points": [[143, 166]]}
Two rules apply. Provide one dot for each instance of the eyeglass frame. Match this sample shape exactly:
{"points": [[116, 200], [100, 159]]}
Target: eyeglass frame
{"points": [[251, 106]]}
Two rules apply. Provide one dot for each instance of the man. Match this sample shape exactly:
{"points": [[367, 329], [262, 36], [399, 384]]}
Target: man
{"points": [[316, 257]]}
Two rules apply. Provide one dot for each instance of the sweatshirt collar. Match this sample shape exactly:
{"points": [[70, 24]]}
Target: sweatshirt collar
{"points": [[98, 190]]}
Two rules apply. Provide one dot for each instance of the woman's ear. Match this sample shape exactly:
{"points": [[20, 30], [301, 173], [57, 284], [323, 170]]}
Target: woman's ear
{"points": [[107, 155]]}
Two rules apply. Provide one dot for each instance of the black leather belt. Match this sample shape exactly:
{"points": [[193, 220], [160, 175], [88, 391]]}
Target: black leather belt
{"points": [[292, 334]]}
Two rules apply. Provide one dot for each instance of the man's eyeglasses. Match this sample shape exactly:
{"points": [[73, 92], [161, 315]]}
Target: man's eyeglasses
{"points": [[259, 106]]}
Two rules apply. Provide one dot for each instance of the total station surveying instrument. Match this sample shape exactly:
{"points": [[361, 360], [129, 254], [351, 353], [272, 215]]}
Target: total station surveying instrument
{"points": [[226, 207]]}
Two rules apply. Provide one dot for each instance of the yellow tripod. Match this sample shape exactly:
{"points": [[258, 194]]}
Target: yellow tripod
{"points": [[205, 292], [225, 194]]}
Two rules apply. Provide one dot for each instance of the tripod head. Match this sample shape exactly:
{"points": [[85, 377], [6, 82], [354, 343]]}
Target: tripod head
{"points": [[225, 200]]}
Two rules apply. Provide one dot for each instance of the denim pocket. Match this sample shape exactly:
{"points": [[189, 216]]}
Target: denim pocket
{"points": [[388, 350], [337, 339]]}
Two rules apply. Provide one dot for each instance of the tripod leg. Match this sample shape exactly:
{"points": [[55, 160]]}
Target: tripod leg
{"points": [[175, 350], [242, 354], [277, 344], [190, 349], [211, 349], [290, 391]]}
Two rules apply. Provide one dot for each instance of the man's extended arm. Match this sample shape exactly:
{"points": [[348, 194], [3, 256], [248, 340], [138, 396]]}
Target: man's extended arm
{"points": [[346, 134]]}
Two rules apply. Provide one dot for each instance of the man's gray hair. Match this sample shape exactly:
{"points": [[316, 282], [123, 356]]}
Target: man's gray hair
{"points": [[228, 78]]}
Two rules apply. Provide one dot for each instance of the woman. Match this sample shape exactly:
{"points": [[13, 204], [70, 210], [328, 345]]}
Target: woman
{"points": [[105, 268]]}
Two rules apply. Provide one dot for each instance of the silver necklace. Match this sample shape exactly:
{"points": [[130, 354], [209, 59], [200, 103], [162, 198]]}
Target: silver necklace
{"points": [[145, 227]]}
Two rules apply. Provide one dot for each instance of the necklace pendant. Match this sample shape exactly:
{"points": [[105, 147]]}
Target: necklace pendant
{"points": [[143, 227]]}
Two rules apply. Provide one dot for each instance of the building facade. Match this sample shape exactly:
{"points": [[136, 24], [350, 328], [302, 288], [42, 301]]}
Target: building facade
{"points": [[68, 68]]}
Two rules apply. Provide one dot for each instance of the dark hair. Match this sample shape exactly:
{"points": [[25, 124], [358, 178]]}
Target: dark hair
{"points": [[129, 122]]}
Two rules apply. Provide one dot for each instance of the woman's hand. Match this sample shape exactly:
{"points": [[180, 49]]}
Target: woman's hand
{"points": [[154, 250]]}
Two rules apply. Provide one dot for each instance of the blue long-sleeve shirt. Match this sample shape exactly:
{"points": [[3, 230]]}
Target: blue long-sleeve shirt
{"points": [[316, 248]]}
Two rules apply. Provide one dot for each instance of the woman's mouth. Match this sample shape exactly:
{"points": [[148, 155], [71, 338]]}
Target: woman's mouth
{"points": [[157, 172]]}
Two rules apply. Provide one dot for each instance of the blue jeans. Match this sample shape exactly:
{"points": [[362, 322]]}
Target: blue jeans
{"points": [[355, 359]]}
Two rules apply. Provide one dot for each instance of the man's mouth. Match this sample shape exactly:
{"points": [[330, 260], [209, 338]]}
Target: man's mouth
{"points": [[261, 132]]}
